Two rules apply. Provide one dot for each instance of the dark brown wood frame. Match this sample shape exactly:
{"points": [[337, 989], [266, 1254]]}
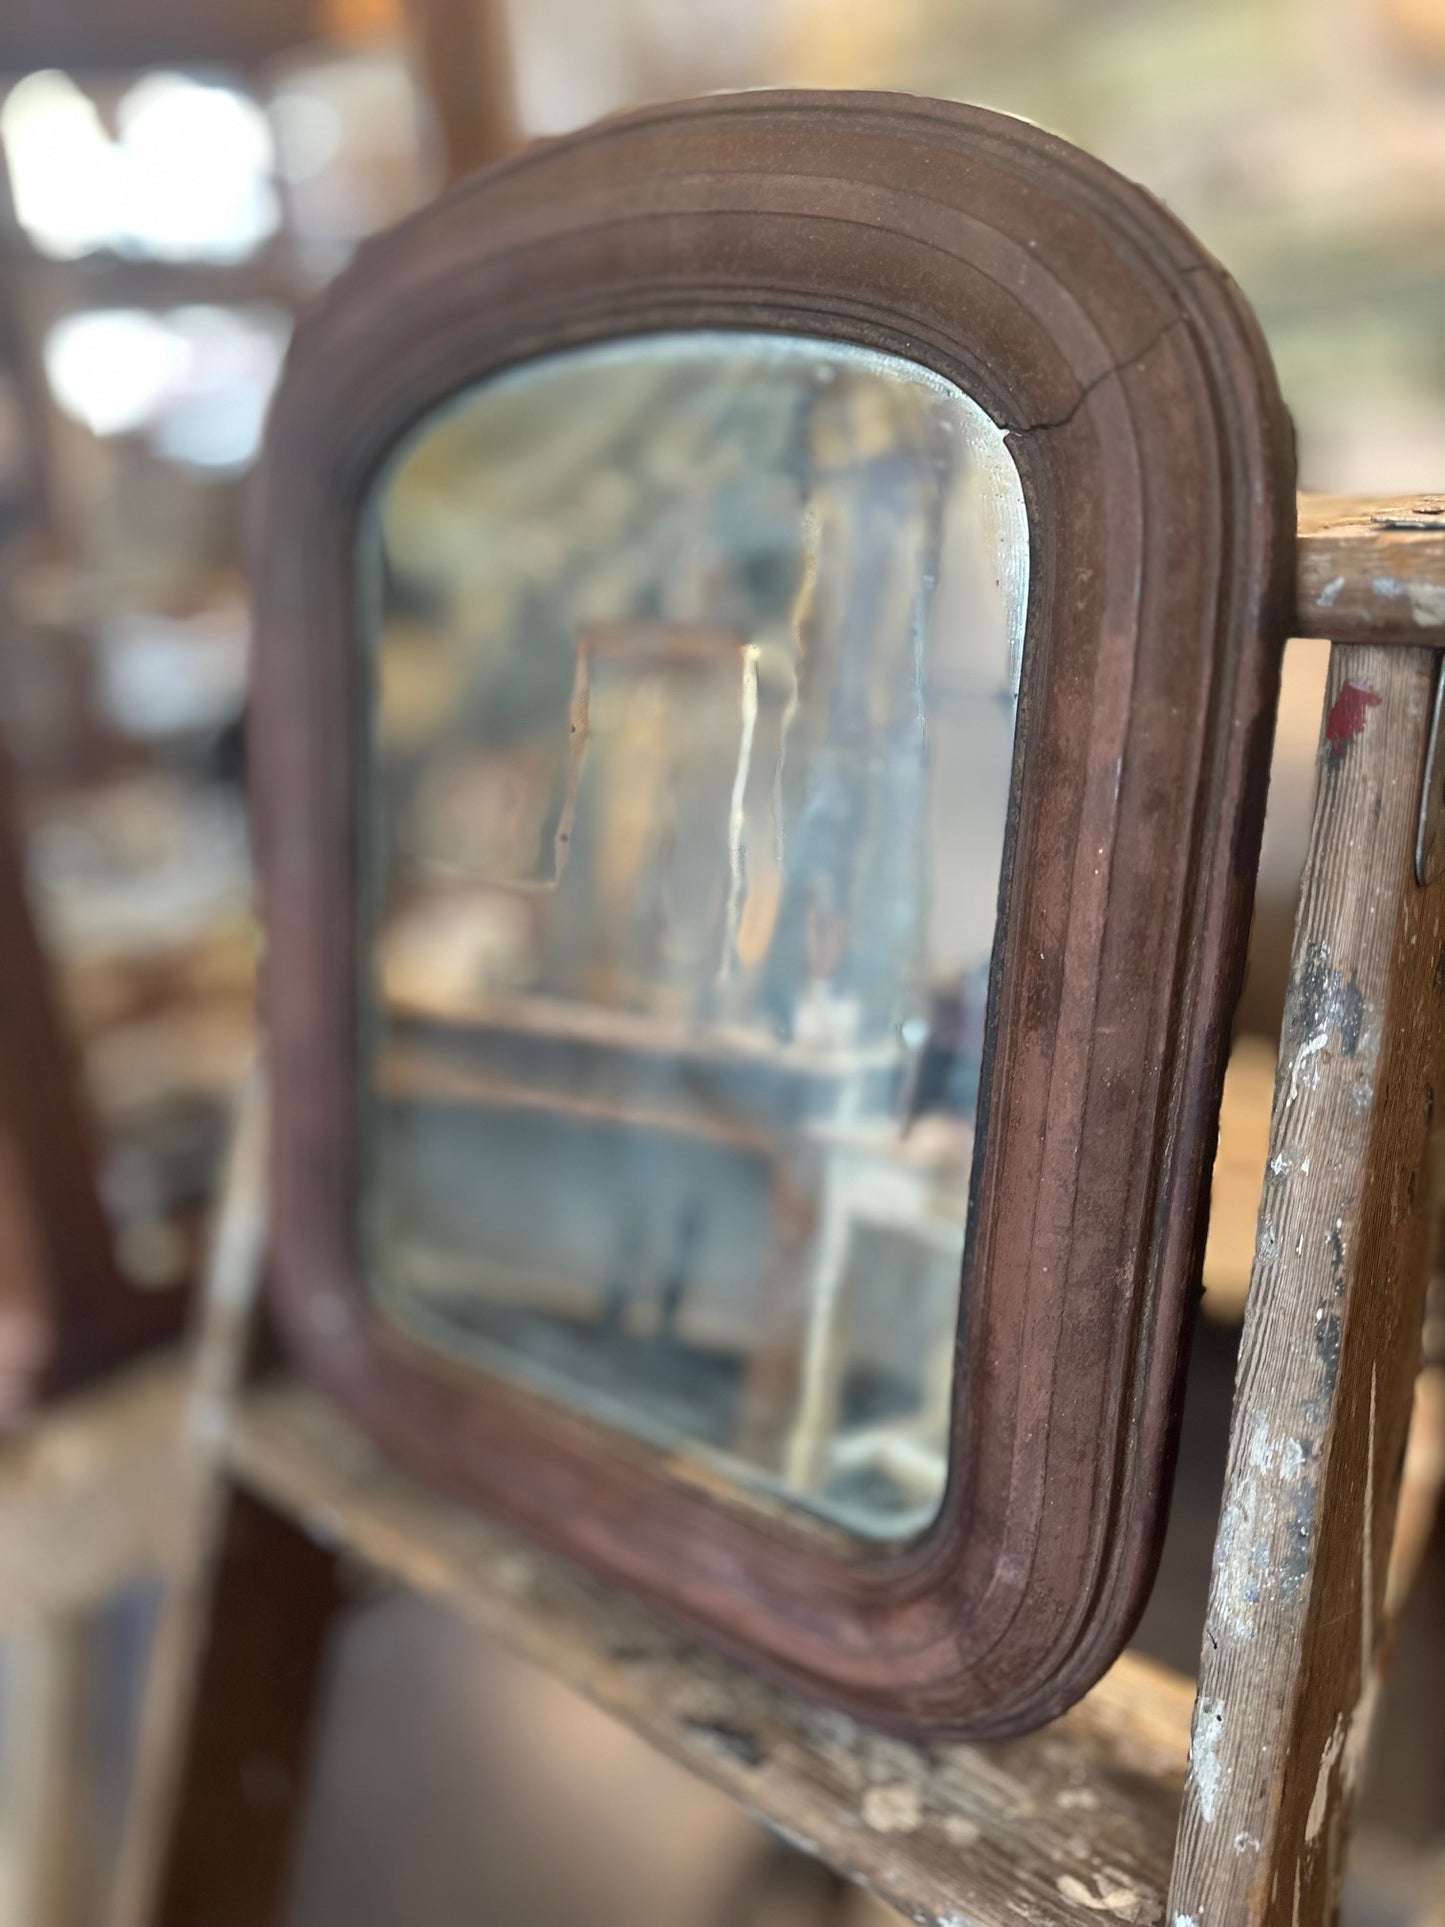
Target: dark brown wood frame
{"points": [[1157, 466]]}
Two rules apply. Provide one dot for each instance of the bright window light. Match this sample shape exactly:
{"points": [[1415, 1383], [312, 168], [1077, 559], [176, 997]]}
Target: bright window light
{"points": [[62, 165], [112, 368], [195, 382], [188, 179], [197, 164], [308, 132]]}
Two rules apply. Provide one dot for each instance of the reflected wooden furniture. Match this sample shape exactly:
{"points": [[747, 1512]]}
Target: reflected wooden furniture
{"points": [[1112, 1811], [500, 1058]]}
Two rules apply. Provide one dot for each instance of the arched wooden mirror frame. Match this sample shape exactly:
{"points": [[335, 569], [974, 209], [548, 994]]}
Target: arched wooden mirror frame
{"points": [[1157, 467]]}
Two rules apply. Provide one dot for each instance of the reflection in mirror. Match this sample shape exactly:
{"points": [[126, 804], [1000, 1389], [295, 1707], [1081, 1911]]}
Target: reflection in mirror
{"points": [[694, 676]]}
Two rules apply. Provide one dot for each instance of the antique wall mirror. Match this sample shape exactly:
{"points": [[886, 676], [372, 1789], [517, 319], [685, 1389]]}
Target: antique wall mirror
{"points": [[769, 623]]}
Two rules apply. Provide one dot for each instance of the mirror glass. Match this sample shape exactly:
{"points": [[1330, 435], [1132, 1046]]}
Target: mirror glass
{"points": [[690, 719]]}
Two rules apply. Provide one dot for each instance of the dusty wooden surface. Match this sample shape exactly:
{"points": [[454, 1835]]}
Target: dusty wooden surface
{"points": [[1371, 569], [1296, 1625], [86, 1496], [1070, 1823], [1067, 1825]]}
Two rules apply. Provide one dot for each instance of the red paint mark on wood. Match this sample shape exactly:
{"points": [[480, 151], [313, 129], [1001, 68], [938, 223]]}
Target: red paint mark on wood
{"points": [[1347, 714]]}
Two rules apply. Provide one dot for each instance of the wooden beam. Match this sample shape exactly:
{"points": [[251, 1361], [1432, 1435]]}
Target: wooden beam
{"points": [[242, 1742], [1371, 569], [1297, 1624], [1067, 1826], [249, 1601], [464, 59]]}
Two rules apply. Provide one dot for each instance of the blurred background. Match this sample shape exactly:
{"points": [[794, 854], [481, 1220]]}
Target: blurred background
{"points": [[176, 185]]}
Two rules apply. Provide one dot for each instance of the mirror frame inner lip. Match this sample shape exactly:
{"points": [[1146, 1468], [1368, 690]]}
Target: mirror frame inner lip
{"points": [[1157, 464]]}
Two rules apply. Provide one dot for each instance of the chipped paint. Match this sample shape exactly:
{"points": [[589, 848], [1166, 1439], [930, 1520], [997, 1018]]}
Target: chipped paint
{"points": [[961, 1832], [1108, 1895], [1426, 599], [1329, 594], [1357, 1739], [1265, 1532], [1206, 1769], [894, 1808], [1348, 714], [735, 1742], [1320, 1802], [1298, 1065], [1349, 1739], [1325, 1003]]}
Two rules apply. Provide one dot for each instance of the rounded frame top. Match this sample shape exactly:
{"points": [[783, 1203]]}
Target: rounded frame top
{"points": [[1157, 464]]}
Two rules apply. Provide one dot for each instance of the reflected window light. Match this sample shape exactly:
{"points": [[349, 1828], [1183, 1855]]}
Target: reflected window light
{"points": [[188, 179], [196, 381]]}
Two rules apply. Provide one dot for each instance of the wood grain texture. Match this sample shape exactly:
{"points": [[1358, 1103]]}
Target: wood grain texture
{"points": [[1371, 569], [1296, 1626], [1068, 1826], [1157, 468]]}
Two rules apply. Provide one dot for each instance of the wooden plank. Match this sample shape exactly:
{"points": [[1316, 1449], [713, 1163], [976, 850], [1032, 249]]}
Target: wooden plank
{"points": [[1371, 568], [1297, 1624], [217, 1782], [1063, 1826], [87, 1497], [243, 1739]]}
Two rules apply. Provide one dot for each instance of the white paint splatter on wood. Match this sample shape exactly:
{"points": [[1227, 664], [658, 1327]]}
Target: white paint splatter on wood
{"points": [[896, 1808], [1205, 1766]]}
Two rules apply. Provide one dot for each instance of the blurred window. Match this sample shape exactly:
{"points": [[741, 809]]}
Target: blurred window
{"points": [[195, 381], [187, 175]]}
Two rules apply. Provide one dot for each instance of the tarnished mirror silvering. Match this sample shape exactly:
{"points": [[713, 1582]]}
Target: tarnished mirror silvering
{"points": [[693, 662]]}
